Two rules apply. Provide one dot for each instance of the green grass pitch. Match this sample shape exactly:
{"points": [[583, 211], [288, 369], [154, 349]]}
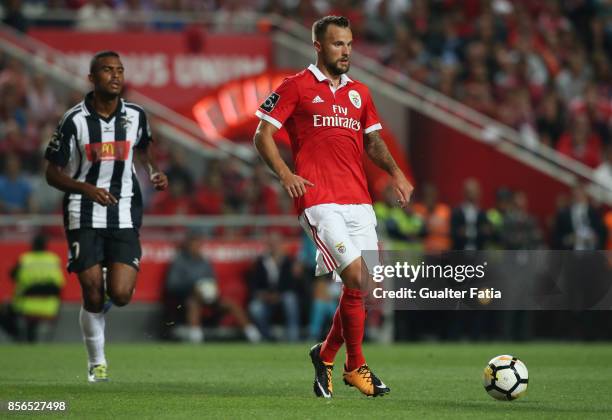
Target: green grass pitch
{"points": [[275, 381]]}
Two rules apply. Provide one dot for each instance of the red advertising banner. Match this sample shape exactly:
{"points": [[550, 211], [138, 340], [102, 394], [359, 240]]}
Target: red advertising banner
{"points": [[230, 259], [174, 68]]}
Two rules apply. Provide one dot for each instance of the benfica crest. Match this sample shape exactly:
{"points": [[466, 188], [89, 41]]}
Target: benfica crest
{"points": [[355, 98], [341, 248]]}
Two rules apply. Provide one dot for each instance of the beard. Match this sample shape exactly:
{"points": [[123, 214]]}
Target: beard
{"points": [[335, 69]]}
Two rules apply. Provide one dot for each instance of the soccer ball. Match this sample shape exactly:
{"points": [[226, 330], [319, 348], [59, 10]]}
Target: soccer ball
{"points": [[505, 377]]}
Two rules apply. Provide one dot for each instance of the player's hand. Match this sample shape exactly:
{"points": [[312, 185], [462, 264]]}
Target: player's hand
{"points": [[295, 185], [159, 181], [402, 188], [99, 195]]}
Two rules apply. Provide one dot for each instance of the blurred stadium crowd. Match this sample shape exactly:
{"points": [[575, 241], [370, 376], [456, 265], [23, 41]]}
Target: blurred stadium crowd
{"points": [[542, 68], [30, 108]]}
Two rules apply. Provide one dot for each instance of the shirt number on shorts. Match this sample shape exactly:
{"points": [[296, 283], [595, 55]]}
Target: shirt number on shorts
{"points": [[76, 249]]}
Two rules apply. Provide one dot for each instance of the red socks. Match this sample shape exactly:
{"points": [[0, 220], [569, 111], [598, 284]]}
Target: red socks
{"points": [[334, 339], [348, 326], [352, 313]]}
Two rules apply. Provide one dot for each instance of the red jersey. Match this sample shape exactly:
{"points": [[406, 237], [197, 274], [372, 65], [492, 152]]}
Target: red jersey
{"points": [[326, 128]]}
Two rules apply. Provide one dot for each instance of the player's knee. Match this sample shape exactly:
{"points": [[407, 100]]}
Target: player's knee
{"points": [[352, 283], [352, 275], [121, 297], [93, 302], [93, 298]]}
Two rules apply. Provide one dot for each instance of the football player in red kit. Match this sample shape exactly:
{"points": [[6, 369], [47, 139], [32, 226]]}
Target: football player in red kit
{"points": [[331, 120]]}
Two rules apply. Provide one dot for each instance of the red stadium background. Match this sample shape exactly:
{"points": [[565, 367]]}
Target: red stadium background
{"points": [[175, 69]]}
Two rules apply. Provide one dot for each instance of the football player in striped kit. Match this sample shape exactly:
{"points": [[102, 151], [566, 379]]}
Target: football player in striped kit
{"points": [[90, 158]]}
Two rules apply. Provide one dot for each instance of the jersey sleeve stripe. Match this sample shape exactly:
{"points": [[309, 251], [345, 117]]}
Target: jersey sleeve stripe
{"points": [[373, 127], [269, 119]]}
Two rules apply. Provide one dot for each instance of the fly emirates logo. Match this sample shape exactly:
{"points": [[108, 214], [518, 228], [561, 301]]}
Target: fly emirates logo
{"points": [[339, 119]]}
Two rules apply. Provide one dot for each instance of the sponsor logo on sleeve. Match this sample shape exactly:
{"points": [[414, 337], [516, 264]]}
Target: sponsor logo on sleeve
{"points": [[54, 143], [270, 102]]}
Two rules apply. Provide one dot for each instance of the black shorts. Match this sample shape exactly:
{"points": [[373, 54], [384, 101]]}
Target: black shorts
{"points": [[88, 247]]}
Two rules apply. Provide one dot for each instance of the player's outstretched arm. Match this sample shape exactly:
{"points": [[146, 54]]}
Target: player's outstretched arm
{"points": [[147, 159], [377, 150], [294, 184], [58, 179]]}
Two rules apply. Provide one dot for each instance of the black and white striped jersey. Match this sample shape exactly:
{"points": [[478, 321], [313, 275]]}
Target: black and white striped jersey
{"points": [[100, 151]]}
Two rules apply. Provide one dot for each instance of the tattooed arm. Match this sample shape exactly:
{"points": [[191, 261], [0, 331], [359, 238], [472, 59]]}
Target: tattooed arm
{"points": [[377, 150]]}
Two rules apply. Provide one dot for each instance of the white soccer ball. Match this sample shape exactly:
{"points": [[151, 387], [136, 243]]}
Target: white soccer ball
{"points": [[505, 377]]}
